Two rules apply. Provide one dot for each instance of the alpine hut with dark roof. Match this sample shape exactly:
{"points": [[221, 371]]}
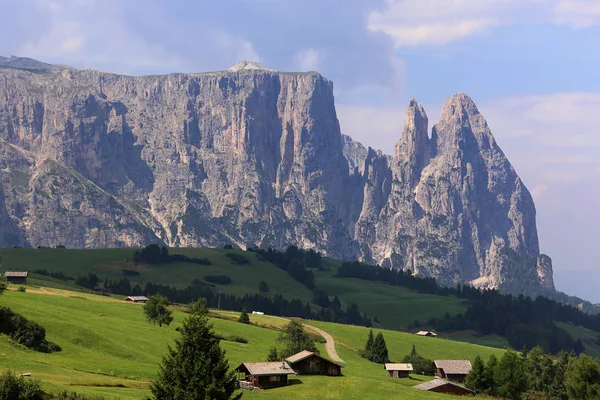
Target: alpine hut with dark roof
{"points": [[452, 370], [263, 375], [16, 278], [309, 363]]}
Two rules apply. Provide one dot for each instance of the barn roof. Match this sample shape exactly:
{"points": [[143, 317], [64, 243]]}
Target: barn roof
{"points": [[460, 367], [425, 333], [398, 367], [266, 368], [437, 383], [136, 298], [304, 355], [16, 274]]}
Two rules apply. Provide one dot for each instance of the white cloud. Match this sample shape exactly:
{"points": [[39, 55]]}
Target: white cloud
{"points": [[377, 127], [309, 59], [439, 22], [538, 191], [577, 13]]}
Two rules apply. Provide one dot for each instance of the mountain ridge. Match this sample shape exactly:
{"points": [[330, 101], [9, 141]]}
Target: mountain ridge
{"points": [[256, 157]]}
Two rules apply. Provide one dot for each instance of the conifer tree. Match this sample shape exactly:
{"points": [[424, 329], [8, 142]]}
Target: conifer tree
{"points": [[244, 318], [296, 339], [490, 369], [196, 367], [369, 346], [510, 377], [156, 310], [273, 354], [380, 351], [477, 378]]}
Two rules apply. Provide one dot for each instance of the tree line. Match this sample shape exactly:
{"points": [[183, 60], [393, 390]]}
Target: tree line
{"points": [[536, 375], [522, 320]]}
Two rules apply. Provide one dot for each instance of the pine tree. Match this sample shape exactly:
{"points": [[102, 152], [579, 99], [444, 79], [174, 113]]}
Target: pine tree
{"points": [[477, 378], [244, 318], [510, 376], [582, 378], [490, 369], [369, 346], [273, 354], [380, 351], [196, 367], [296, 339], [156, 310]]}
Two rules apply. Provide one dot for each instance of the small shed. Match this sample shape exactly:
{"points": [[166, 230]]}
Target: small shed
{"points": [[398, 370], [426, 333], [452, 370], [16, 278], [309, 363], [443, 386], [263, 375], [136, 299]]}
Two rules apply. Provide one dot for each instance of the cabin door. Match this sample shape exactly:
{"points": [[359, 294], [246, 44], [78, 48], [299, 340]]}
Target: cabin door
{"points": [[395, 374]]}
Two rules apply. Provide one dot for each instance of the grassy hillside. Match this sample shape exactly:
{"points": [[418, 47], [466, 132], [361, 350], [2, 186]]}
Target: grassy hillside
{"points": [[109, 349], [395, 307]]}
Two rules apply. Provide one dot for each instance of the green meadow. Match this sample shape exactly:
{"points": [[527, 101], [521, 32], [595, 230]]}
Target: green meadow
{"points": [[108, 348], [395, 307]]}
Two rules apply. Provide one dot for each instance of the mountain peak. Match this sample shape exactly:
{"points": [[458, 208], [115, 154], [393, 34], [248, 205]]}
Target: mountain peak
{"points": [[248, 66]]}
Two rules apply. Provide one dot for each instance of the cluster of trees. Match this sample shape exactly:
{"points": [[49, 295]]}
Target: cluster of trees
{"points": [[54, 274], [536, 375], [375, 349], [275, 305], [155, 254], [237, 258], [294, 339], [421, 365], [294, 261], [522, 320], [89, 281]]}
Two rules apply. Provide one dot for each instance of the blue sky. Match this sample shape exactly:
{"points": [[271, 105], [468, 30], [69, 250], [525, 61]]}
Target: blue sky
{"points": [[532, 66]]}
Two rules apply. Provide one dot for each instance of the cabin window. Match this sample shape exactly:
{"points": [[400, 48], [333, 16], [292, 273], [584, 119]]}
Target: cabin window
{"points": [[274, 378]]}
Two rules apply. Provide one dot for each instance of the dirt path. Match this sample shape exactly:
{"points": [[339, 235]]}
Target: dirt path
{"points": [[330, 345]]}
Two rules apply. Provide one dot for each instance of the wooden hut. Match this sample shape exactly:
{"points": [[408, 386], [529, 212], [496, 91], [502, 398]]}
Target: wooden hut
{"points": [[16, 278], [263, 375], [452, 370], [443, 386], [398, 370], [309, 363], [136, 299]]}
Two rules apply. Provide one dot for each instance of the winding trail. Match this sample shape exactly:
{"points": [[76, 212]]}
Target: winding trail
{"points": [[329, 345]]}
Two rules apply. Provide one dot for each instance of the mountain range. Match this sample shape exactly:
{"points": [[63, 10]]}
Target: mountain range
{"points": [[255, 157]]}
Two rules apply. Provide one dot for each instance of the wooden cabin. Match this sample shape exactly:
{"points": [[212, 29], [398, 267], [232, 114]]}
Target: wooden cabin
{"points": [[426, 333], [398, 370], [309, 363], [452, 370], [136, 299], [443, 386], [16, 278], [263, 375]]}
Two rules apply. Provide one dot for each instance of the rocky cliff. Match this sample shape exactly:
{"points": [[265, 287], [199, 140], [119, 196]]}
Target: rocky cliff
{"points": [[254, 157]]}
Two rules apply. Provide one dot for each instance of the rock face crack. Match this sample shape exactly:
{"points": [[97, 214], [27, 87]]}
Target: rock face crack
{"points": [[255, 157]]}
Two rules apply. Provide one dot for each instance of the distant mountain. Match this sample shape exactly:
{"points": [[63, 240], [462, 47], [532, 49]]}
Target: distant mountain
{"points": [[255, 157]]}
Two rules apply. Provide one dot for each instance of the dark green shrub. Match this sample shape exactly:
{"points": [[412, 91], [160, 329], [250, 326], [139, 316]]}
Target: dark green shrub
{"points": [[13, 387], [22, 289], [237, 258]]}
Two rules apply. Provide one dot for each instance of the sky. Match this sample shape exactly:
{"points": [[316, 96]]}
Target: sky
{"points": [[531, 66]]}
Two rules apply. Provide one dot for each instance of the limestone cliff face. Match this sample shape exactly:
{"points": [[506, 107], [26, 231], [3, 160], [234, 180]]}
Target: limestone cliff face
{"points": [[252, 156]]}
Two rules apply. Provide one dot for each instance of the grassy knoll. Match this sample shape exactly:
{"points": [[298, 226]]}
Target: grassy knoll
{"points": [[109, 349], [590, 339], [395, 307]]}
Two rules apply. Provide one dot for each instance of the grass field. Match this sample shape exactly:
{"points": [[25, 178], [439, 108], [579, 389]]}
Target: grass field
{"points": [[109, 349], [395, 307]]}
